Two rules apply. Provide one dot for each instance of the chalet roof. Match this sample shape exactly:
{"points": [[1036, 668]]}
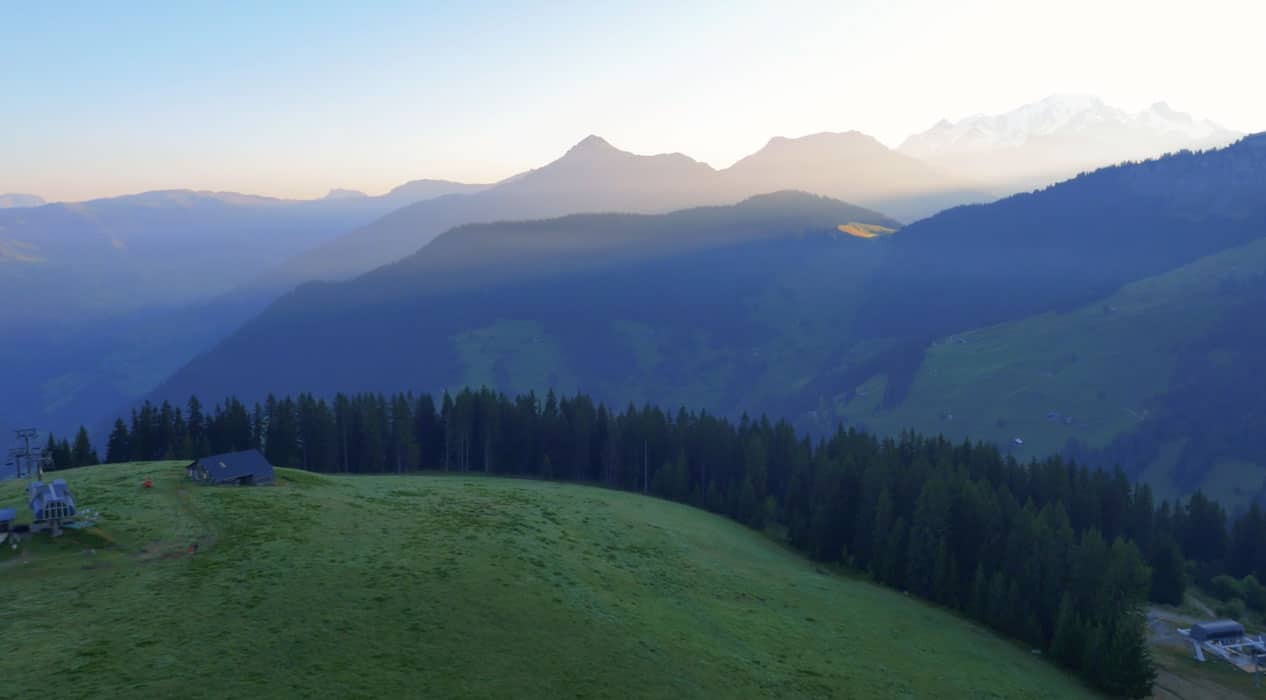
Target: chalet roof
{"points": [[233, 466]]}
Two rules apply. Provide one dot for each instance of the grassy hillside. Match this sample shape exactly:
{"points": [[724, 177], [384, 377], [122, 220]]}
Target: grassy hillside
{"points": [[460, 586], [1090, 374]]}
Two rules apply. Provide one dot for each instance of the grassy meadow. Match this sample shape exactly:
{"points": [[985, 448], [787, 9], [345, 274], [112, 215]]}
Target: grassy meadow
{"points": [[459, 586], [1088, 374]]}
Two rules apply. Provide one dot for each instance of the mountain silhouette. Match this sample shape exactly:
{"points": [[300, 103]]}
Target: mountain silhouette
{"points": [[594, 176], [1057, 137]]}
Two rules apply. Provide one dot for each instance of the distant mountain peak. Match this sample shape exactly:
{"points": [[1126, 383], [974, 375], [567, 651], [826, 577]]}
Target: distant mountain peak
{"points": [[594, 162], [340, 193], [1057, 137], [592, 145], [821, 143], [1059, 115], [416, 190]]}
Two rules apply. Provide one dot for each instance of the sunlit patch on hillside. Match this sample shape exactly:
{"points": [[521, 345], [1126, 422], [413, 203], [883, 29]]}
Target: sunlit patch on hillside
{"points": [[858, 230]]}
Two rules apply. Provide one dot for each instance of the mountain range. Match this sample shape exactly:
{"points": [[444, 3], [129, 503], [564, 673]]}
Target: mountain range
{"points": [[578, 301], [594, 176], [1055, 138], [971, 161], [775, 305], [514, 285], [103, 298], [166, 248]]}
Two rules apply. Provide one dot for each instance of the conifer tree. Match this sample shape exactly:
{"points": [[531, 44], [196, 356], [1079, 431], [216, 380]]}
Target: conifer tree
{"points": [[1068, 640], [118, 443], [82, 452], [1127, 669], [1169, 576]]}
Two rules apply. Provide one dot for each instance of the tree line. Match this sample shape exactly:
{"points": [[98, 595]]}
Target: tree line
{"points": [[65, 454], [1058, 555]]}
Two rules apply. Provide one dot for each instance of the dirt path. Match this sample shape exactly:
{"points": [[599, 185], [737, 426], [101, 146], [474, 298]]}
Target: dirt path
{"points": [[1171, 686], [203, 537], [1172, 617], [1162, 628]]}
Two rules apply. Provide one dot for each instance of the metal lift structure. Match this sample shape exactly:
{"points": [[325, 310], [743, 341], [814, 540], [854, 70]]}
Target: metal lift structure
{"points": [[52, 505]]}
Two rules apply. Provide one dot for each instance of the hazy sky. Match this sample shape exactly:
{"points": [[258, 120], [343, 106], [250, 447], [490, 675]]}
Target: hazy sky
{"points": [[102, 98]]}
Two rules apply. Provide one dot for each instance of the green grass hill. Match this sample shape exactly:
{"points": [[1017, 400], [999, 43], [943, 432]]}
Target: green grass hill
{"points": [[458, 586], [1144, 361]]}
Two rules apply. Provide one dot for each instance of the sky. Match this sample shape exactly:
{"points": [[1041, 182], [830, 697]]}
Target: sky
{"points": [[292, 99]]}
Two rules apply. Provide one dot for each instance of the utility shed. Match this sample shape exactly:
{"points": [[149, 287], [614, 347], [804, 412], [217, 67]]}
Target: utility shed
{"points": [[1217, 631], [50, 501], [245, 468], [7, 517]]}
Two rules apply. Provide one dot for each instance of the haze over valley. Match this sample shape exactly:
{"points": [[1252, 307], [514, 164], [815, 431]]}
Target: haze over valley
{"points": [[800, 350], [108, 271]]}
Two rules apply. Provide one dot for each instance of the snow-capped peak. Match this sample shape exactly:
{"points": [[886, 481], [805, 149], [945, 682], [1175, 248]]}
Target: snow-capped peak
{"points": [[1062, 115], [1162, 117]]}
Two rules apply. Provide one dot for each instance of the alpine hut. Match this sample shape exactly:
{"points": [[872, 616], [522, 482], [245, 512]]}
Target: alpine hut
{"points": [[245, 468]]}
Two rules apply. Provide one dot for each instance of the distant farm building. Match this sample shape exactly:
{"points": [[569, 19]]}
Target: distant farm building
{"points": [[246, 468], [50, 502], [1217, 631]]}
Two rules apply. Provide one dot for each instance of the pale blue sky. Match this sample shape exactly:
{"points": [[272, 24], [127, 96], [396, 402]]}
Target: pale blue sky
{"points": [[104, 98]]}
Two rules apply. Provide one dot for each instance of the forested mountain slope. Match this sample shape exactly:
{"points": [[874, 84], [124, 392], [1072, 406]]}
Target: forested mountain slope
{"points": [[888, 332], [1079, 359], [102, 299], [1159, 377], [1069, 243], [626, 305]]}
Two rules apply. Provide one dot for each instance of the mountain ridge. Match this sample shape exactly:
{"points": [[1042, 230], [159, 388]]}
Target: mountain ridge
{"points": [[595, 176], [470, 275], [1057, 137], [105, 297], [820, 329]]}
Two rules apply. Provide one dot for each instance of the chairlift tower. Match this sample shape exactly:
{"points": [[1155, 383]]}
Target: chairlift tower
{"points": [[51, 504], [29, 461]]}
